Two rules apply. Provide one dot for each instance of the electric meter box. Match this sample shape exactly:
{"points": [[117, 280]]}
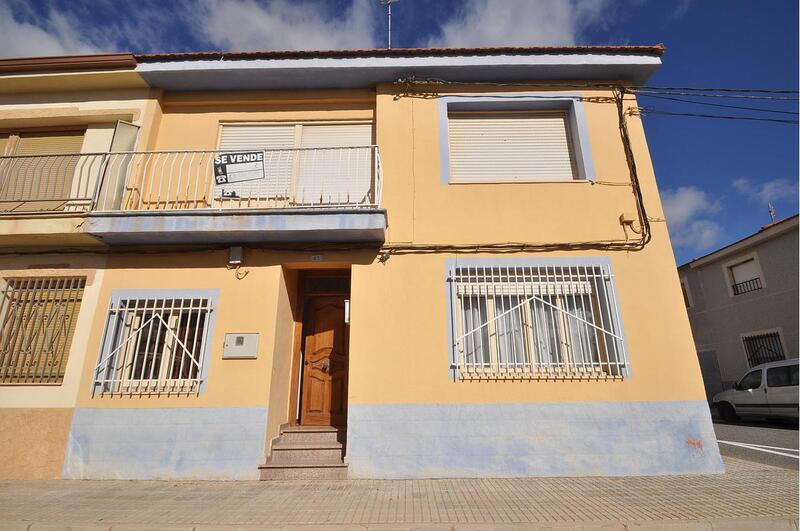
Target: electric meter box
{"points": [[240, 346]]}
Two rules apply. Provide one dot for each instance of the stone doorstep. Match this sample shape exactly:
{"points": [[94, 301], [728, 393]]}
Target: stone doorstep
{"points": [[738, 524]]}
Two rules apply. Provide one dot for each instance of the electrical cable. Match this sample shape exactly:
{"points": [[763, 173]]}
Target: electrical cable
{"points": [[646, 111], [709, 104]]}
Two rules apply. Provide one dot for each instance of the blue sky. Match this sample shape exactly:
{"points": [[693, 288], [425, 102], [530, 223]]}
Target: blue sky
{"points": [[716, 176]]}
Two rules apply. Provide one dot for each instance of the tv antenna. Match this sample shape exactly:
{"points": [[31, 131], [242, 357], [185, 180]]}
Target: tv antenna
{"points": [[388, 4]]}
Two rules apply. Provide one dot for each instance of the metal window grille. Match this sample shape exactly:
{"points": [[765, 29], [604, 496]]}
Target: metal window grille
{"points": [[153, 346], [763, 348], [37, 321], [536, 322], [748, 285]]}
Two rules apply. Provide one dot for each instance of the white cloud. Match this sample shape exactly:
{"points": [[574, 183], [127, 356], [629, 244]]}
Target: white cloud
{"points": [[681, 7], [520, 22], [688, 210], [55, 33], [764, 192], [284, 25]]}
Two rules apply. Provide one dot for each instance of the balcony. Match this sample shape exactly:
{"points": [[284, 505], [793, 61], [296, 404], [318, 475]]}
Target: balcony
{"points": [[143, 197]]}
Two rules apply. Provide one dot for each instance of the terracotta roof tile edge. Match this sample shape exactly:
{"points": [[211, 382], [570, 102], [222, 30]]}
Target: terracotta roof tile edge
{"points": [[67, 62], [656, 49]]}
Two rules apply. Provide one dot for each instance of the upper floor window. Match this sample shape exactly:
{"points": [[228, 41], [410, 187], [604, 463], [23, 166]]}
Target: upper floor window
{"points": [[305, 164], [536, 322], [513, 138], [32, 182], [745, 276], [37, 322], [510, 146], [155, 344]]}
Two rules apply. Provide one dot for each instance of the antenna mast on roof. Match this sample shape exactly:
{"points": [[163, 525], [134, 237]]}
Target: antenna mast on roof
{"points": [[388, 4], [771, 212]]}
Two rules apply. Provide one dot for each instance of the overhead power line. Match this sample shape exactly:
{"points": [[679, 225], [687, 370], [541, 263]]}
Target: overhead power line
{"points": [[724, 89], [646, 111], [742, 107], [727, 94]]}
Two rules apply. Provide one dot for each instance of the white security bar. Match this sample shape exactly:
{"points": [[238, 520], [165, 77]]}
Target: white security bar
{"points": [[153, 346], [531, 322], [338, 177]]}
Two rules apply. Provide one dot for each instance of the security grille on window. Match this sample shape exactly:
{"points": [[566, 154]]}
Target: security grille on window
{"points": [[763, 348], [37, 322], [536, 322], [510, 146], [153, 345]]}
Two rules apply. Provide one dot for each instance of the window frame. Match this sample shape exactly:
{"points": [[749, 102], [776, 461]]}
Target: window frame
{"points": [[569, 102], [454, 312], [727, 272], [770, 331], [107, 345], [82, 280], [686, 292]]}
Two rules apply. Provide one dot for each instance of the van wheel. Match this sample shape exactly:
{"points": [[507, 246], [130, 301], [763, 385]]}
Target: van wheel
{"points": [[727, 412]]}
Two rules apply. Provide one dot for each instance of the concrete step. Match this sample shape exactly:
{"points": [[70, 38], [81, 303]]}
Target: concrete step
{"points": [[285, 453], [274, 471], [311, 435]]}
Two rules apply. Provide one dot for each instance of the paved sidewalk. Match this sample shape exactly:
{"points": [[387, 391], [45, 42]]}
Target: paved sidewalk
{"points": [[748, 496]]}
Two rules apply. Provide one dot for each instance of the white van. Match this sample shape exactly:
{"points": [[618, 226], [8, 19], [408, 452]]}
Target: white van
{"points": [[768, 390]]}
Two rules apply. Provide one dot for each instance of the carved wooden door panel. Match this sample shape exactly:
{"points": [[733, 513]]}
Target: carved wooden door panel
{"points": [[325, 339]]}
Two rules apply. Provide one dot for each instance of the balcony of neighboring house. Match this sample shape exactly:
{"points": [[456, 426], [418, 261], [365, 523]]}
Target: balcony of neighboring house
{"points": [[326, 193]]}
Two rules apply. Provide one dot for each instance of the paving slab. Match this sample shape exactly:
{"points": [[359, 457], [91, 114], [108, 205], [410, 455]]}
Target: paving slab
{"points": [[748, 496]]}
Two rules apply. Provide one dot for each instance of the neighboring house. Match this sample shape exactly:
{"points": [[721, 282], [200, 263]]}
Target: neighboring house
{"points": [[319, 264], [742, 302]]}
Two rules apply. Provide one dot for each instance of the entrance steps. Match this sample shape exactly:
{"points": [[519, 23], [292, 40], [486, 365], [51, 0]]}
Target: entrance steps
{"points": [[306, 452]]}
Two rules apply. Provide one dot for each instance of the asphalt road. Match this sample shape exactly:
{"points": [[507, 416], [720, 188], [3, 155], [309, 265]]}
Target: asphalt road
{"points": [[781, 437]]}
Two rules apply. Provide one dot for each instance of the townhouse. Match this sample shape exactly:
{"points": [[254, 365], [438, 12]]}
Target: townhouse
{"points": [[405, 263], [742, 303]]}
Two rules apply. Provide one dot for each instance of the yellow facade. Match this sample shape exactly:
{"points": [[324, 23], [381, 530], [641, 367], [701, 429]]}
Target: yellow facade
{"points": [[399, 354]]}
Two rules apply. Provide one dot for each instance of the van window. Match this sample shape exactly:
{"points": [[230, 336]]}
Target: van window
{"points": [[751, 380], [782, 376]]}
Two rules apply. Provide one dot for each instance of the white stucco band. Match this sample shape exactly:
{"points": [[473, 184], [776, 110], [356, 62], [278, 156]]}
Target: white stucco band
{"points": [[544, 439]]}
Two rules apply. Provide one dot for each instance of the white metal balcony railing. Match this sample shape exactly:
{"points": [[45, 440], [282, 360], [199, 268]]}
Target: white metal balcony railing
{"points": [[346, 177]]}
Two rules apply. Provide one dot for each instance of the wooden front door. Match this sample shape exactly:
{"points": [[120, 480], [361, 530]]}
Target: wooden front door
{"points": [[325, 340]]}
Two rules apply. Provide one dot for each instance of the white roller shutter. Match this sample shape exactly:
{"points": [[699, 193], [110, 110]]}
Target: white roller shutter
{"points": [[322, 176], [335, 176], [488, 147], [744, 271], [277, 164]]}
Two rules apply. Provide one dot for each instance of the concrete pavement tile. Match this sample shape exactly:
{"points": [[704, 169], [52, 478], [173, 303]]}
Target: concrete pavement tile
{"points": [[773, 524], [680, 525]]}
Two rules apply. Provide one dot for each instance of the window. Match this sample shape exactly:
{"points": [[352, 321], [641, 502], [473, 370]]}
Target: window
{"points": [[687, 295], [31, 182], [763, 348], [535, 321], [745, 277], [782, 376], [154, 345], [751, 380], [37, 322], [510, 146], [305, 164]]}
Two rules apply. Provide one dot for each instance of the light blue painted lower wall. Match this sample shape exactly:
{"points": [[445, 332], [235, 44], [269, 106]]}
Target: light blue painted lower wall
{"points": [[166, 443], [505, 440]]}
